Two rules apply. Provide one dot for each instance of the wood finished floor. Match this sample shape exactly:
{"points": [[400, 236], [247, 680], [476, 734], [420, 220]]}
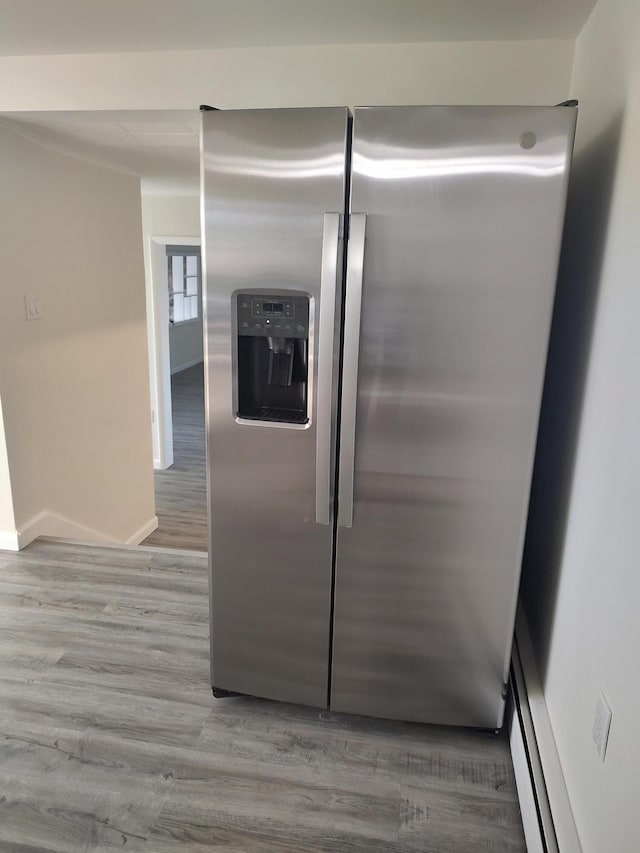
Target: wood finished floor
{"points": [[181, 491], [110, 738]]}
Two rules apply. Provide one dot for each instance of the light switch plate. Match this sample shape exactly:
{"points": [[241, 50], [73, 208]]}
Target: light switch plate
{"points": [[32, 307]]}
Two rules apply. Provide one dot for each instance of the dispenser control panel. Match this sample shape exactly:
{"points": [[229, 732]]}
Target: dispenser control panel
{"points": [[273, 316], [277, 308]]}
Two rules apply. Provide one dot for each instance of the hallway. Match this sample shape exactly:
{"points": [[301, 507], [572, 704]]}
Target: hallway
{"points": [[181, 491]]}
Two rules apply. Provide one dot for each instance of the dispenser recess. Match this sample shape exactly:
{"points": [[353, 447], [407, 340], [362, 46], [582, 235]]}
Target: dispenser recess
{"points": [[272, 367]]}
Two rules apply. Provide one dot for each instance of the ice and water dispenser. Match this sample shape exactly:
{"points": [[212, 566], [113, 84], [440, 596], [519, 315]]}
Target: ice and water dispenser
{"points": [[273, 357]]}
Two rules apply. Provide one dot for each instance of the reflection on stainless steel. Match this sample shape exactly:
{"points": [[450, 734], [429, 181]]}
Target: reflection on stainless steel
{"points": [[324, 418], [352, 315], [395, 169], [447, 313], [327, 164]]}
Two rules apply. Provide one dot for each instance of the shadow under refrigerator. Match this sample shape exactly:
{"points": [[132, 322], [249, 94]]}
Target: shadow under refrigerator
{"points": [[378, 297]]}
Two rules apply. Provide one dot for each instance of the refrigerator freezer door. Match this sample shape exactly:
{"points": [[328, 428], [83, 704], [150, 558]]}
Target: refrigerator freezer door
{"points": [[269, 177], [464, 219]]}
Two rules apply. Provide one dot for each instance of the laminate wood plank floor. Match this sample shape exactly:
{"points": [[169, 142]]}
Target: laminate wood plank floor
{"points": [[181, 491], [110, 738]]}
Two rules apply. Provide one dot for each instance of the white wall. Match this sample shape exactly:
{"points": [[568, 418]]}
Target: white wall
{"points": [[582, 579], [165, 220], [533, 72], [74, 383], [185, 344]]}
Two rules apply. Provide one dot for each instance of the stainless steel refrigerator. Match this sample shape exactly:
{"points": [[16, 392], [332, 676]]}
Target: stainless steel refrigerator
{"points": [[378, 296]]}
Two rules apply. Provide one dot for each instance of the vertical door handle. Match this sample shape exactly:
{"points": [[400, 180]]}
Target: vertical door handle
{"points": [[352, 309], [324, 394]]}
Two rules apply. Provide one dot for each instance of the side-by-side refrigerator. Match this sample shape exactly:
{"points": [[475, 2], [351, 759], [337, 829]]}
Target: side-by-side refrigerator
{"points": [[378, 297]]}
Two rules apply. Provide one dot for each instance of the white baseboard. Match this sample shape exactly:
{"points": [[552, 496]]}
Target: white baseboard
{"points": [[542, 790], [141, 534], [9, 540], [186, 366], [47, 523], [524, 782], [56, 526]]}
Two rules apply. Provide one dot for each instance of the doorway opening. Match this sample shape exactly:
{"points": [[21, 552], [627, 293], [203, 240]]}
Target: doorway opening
{"points": [[177, 371]]}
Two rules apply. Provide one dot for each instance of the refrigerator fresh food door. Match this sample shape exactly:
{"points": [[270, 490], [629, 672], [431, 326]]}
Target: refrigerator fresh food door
{"points": [[272, 216], [457, 216]]}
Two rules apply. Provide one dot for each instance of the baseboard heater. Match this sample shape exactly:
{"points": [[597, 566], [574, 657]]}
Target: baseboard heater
{"points": [[544, 803]]}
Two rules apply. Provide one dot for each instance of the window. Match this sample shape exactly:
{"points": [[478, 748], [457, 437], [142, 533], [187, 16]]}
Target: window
{"points": [[184, 283]]}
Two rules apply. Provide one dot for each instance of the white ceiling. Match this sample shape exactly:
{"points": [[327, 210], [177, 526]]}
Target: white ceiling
{"points": [[162, 146], [106, 26]]}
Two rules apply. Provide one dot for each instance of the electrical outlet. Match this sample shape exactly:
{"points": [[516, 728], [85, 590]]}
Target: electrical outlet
{"points": [[601, 725]]}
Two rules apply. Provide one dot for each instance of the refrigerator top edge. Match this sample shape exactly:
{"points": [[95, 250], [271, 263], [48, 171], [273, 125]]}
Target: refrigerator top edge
{"points": [[465, 107], [254, 110], [357, 108]]}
